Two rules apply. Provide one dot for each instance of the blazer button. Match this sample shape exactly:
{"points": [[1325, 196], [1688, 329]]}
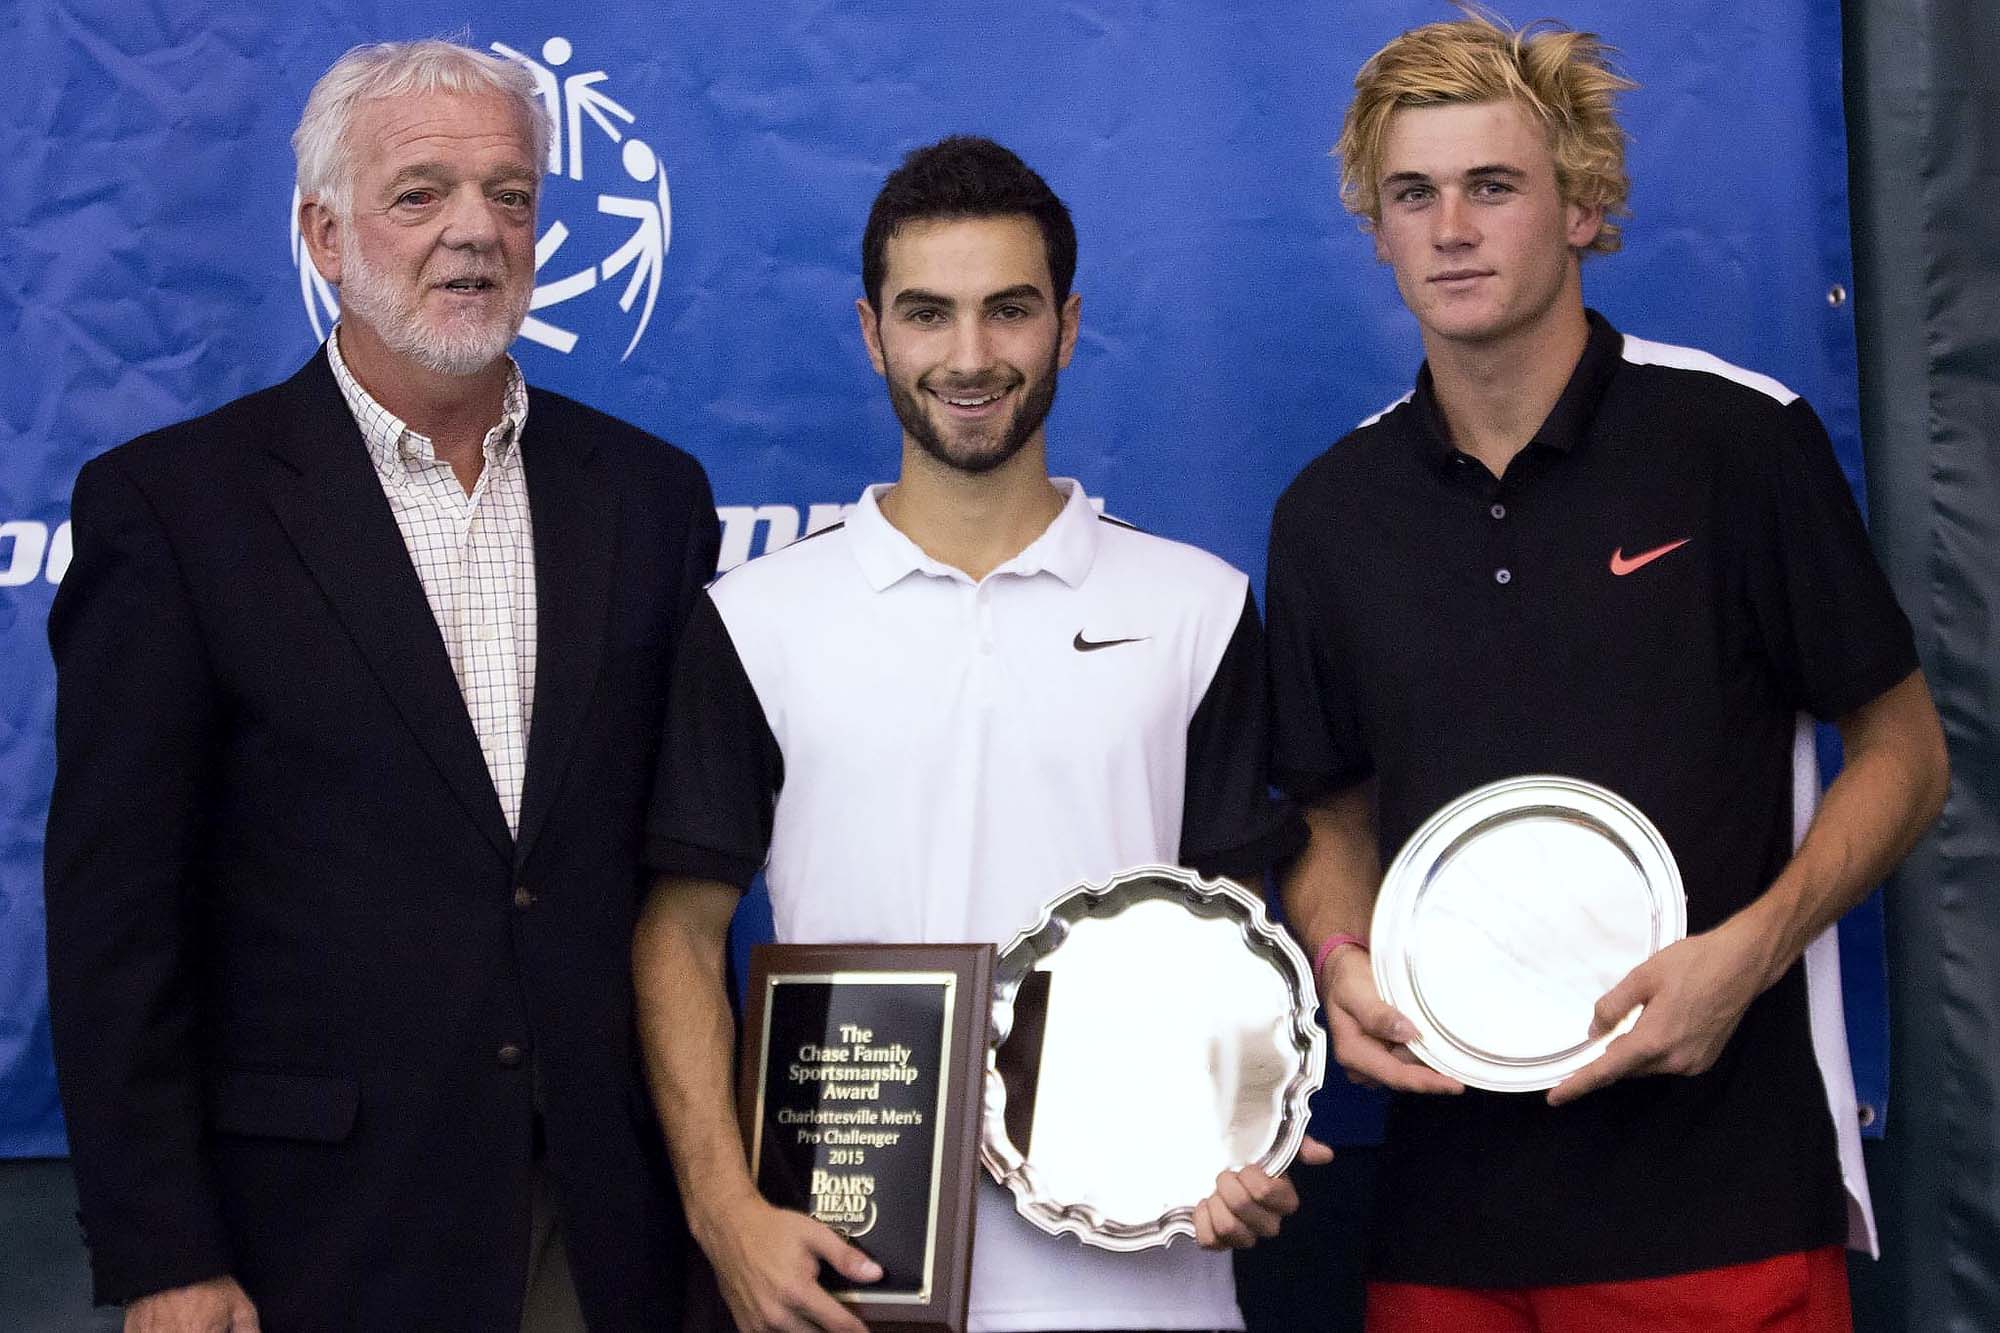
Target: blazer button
{"points": [[510, 1056], [524, 897]]}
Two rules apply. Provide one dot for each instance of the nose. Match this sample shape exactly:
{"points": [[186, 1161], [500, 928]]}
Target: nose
{"points": [[469, 221], [1455, 226], [970, 351]]}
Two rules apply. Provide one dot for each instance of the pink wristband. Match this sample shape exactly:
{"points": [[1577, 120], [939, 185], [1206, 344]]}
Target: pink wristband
{"points": [[1332, 942]]}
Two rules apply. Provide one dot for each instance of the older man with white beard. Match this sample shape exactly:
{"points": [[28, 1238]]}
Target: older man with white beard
{"points": [[359, 685]]}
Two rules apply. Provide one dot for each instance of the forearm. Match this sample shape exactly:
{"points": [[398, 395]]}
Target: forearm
{"points": [[688, 1035], [1329, 888], [1889, 791]]}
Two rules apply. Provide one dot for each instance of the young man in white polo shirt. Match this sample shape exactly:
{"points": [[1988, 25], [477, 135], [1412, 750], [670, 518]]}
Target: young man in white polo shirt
{"points": [[928, 721]]}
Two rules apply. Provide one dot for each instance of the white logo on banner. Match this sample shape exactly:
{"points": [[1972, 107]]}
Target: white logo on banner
{"points": [[778, 525], [28, 550], [634, 241]]}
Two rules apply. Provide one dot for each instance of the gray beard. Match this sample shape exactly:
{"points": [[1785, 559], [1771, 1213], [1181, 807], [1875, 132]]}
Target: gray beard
{"points": [[393, 313]]}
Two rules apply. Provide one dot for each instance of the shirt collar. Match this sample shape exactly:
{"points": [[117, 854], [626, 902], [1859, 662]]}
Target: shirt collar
{"points": [[1065, 549], [394, 447], [1567, 427]]}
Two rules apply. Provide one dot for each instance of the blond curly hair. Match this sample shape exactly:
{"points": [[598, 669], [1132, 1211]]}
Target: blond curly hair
{"points": [[1562, 77]]}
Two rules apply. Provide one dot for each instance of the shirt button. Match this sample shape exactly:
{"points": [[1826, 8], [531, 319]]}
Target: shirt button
{"points": [[1503, 576], [1498, 511], [509, 1056], [524, 897]]}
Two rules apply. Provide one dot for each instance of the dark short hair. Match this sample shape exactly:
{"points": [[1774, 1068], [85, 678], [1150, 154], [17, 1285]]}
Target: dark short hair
{"points": [[965, 176]]}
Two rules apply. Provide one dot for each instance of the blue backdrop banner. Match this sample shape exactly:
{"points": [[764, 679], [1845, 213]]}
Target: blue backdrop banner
{"points": [[698, 265]]}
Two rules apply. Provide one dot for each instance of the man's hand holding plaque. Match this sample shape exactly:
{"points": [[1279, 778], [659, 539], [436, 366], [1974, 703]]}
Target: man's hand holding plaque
{"points": [[768, 1261]]}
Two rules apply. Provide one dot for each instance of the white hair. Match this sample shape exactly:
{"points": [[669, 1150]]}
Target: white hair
{"points": [[397, 69]]}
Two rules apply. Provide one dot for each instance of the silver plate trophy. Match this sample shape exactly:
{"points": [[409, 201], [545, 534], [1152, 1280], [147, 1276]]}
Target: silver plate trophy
{"points": [[1147, 1033], [1508, 914]]}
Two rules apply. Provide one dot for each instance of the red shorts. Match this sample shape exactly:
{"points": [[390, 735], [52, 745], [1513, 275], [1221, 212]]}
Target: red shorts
{"points": [[1791, 1293]]}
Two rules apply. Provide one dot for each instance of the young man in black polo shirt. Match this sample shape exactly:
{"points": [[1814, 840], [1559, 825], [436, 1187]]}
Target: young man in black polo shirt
{"points": [[1570, 551]]}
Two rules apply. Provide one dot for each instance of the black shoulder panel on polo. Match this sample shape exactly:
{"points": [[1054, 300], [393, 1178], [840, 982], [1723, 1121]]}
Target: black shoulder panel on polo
{"points": [[720, 767], [1228, 826]]}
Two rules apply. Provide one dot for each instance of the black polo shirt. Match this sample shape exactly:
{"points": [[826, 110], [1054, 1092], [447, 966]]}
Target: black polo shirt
{"points": [[1664, 577]]}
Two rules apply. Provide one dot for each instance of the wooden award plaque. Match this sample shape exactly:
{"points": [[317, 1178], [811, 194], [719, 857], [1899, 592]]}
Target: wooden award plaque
{"points": [[859, 1088]]}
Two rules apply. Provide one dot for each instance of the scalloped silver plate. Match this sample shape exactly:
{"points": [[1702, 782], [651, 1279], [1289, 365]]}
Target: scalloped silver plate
{"points": [[1509, 913], [1177, 1039]]}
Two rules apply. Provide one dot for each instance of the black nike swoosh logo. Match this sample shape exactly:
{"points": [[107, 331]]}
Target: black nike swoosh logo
{"points": [[1084, 645]]}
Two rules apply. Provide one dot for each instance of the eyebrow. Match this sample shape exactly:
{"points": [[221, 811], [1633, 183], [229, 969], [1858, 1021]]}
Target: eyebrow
{"points": [[1025, 291], [1470, 173], [918, 296], [416, 171], [436, 171]]}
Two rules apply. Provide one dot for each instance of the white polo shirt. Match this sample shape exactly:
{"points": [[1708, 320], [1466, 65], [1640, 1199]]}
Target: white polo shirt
{"points": [[911, 755]]}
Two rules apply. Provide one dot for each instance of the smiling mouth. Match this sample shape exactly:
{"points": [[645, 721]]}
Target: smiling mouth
{"points": [[467, 285], [972, 402]]}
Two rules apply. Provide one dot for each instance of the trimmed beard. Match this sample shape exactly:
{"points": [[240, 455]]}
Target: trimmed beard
{"points": [[1028, 417], [396, 316]]}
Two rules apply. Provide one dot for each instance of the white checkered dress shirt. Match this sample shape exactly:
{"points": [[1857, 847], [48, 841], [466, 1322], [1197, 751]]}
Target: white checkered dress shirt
{"points": [[475, 555]]}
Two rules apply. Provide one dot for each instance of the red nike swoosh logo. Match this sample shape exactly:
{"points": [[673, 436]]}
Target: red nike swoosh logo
{"points": [[1621, 564]]}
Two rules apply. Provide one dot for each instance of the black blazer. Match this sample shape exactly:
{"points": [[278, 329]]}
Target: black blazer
{"points": [[300, 976]]}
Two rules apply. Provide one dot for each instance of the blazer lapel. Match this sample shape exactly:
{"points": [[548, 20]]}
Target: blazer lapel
{"points": [[329, 501], [575, 512]]}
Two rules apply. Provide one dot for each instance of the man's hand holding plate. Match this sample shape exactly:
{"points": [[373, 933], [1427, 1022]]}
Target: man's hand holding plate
{"points": [[1249, 1205], [1693, 995], [1369, 1037]]}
